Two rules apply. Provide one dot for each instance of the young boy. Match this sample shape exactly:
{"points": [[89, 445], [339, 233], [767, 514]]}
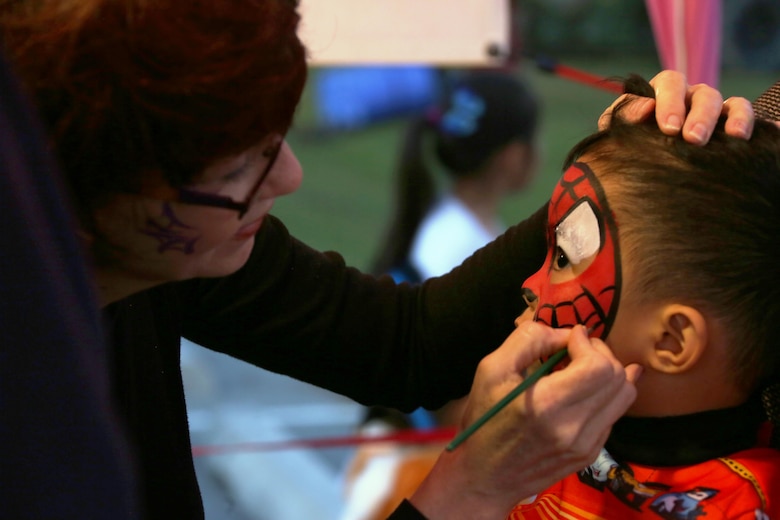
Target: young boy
{"points": [[669, 253]]}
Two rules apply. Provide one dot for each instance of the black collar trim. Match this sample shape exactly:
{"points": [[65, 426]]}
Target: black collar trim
{"points": [[686, 439]]}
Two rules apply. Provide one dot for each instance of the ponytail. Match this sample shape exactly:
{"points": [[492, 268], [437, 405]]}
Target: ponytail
{"points": [[415, 194]]}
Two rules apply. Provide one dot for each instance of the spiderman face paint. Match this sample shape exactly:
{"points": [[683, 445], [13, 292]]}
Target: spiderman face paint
{"points": [[580, 280]]}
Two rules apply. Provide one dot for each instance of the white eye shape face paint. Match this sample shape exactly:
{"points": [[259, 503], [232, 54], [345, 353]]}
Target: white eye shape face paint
{"points": [[578, 234]]}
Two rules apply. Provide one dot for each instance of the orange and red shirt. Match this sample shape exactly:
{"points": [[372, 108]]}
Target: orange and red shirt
{"points": [[745, 485]]}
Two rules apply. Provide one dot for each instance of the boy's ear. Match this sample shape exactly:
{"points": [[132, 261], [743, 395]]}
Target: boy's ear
{"points": [[682, 340]]}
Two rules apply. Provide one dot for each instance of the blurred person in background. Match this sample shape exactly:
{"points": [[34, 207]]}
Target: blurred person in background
{"points": [[482, 140]]}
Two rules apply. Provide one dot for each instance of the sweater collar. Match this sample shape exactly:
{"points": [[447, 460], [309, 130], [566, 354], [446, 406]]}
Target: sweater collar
{"points": [[686, 439]]}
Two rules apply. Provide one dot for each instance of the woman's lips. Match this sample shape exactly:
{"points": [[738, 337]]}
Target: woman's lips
{"points": [[249, 230]]}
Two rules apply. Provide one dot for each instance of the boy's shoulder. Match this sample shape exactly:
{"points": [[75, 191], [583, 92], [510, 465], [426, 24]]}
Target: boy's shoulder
{"points": [[744, 483], [761, 468]]}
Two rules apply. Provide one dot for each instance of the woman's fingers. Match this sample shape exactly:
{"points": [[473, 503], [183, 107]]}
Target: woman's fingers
{"points": [[638, 109], [706, 105], [588, 396], [739, 117], [555, 428], [692, 110], [672, 97]]}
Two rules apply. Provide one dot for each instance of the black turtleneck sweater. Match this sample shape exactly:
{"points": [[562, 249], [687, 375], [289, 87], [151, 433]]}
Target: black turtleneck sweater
{"points": [[302, 313], [686, 439]]}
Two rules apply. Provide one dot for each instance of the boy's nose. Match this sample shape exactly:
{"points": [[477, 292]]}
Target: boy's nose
{"points": [[530, 297]]}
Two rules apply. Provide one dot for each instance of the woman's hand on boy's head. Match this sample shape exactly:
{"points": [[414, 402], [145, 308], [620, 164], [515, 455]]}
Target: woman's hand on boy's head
{"points": [[692, 109]]}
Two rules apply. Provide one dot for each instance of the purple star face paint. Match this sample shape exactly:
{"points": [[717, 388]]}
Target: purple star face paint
{"points": [[172, 234], [155, 237]]}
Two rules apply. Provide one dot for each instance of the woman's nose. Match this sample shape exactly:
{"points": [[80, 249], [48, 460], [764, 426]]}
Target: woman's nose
{"points": [[285, 176]]}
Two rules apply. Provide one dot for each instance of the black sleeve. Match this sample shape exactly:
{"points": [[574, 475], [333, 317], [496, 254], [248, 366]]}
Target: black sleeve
{"points": [[767, 105], [406, 511], [61, 454], [303, 313]]}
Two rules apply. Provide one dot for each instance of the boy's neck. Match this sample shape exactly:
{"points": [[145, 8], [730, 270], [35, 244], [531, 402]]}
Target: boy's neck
{"points": [[662, 395], [688, 439], [709, 385]]}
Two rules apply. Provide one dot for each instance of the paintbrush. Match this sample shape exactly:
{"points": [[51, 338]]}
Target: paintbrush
{"points": [[543, 370]]}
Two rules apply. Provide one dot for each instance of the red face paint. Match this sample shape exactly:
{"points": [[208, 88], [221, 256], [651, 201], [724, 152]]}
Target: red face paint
{"points": [[582, 239]]}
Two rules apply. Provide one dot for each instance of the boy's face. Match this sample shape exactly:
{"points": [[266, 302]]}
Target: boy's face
{"points": [[580, 280]]}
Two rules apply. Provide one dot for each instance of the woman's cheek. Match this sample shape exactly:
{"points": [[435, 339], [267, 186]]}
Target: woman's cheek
{"points": [[203, 228]]}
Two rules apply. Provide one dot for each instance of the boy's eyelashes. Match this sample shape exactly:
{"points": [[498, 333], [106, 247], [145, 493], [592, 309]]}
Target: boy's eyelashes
{"points": [[560, 261]]}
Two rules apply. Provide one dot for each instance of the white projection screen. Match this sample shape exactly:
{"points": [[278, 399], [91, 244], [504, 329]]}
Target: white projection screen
{"points": [[438, 32]]}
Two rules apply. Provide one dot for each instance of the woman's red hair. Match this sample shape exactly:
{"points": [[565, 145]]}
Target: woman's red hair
{"points": [[129, 87]]}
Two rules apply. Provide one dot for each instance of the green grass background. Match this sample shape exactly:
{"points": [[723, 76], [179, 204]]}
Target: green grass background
{"points": [[347, 190]]}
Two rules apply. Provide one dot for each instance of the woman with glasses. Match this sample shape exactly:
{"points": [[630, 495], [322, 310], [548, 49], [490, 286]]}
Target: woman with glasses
{"points": [[168, 119]]}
